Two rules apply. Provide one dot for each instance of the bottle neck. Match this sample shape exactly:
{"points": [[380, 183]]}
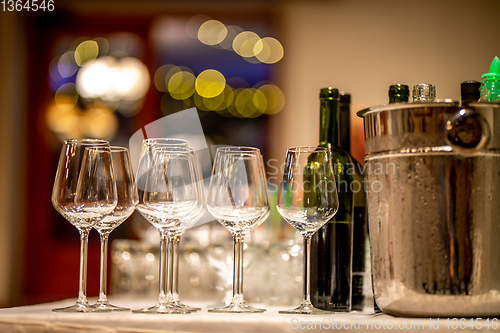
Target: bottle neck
{"points": [[329, 134], [345, 126]]}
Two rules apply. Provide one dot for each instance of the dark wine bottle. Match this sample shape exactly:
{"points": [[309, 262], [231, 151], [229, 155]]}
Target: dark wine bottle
{"points": [[360, 222], [331, 245]]}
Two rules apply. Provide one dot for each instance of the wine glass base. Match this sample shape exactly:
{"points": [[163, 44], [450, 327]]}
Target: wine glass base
{"points": [[186, 307], [240, 307], [306, 308], [78, 307], [107, 307], [164, 308]]}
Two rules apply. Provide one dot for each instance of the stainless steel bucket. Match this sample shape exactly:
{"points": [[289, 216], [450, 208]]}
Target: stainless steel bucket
{"points": [[433, 187]]}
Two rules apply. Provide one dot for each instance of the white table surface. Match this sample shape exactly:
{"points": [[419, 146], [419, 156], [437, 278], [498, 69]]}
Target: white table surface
{"points": [[41, 319]]}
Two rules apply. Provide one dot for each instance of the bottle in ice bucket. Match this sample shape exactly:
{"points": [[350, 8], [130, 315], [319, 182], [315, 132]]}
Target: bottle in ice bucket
{"points": [[424, 92], [490, 88], [399, 93]]}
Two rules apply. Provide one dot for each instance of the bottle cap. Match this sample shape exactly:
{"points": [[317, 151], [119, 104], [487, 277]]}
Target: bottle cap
{"points": [[399, 92], [329, 93], [469, 91], [345, 98], [494, 70], [424, 92]]}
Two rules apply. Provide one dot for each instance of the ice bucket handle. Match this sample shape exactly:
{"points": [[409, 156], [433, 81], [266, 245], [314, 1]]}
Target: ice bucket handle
{"points": [[467, 131]]}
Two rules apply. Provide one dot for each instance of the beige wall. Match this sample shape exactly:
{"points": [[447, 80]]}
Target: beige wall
{"points": [[363, 46]]}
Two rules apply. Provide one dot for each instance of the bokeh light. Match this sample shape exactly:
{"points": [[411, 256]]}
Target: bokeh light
{"points": [[232, 32], [210, 83], [66, 65], [66, 97], [244, 43], [64, 122], [274, 97], [212, 32], [86, 51], [181, 84], [111, 79], [268, 50], [194, 23], [100, 122]]}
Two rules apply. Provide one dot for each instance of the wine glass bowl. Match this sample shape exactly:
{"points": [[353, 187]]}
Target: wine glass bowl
{"points": [[307, 199]]}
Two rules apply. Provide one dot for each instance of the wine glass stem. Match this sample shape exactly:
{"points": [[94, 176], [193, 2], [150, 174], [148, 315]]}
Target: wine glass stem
{"points": [[170, 266], [163, 266], [307, 268], [84, 242], [238, 268], [175, 291], [104, 268]]}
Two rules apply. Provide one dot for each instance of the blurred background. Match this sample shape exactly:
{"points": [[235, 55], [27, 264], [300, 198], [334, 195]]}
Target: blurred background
{"points": [[253, 69]]}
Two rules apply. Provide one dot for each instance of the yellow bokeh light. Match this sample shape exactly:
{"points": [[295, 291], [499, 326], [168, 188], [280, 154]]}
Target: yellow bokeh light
{"points": [[66, 97], [62, 121], [244, 43], [86, 51], [212, 32], [210, 83], [274, 97], [244, 103], [268, 50], [100, 123], [181, 85], [259, 100]]}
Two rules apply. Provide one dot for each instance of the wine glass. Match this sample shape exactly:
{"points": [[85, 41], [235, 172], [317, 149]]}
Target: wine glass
{"points": [[191, 220], [170, 197], [127, 199], [84, 193], [238, 200], [307, 199]]}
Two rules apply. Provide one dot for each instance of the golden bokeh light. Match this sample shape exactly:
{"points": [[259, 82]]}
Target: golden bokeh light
{"points": [[66, 97], [212, 32], [268, 50], [210, 83], [274, 97], [63, 121], [244, 43], [100, 122], [250, 103], [86, 51], [181, 85]]}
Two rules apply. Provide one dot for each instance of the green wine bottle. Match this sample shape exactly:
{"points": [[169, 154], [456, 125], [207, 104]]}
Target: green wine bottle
{"points": [[331, 245], [360, 222], [399, 93]]}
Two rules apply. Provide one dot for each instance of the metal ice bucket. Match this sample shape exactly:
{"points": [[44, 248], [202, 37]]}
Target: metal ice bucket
{"points": [[433, 187]]}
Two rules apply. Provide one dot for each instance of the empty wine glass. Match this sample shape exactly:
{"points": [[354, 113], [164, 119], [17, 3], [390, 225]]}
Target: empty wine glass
{"points": [[238, 200], [191, 221], [84, 193], [170, 196], [307, 199], [127, 199]]}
